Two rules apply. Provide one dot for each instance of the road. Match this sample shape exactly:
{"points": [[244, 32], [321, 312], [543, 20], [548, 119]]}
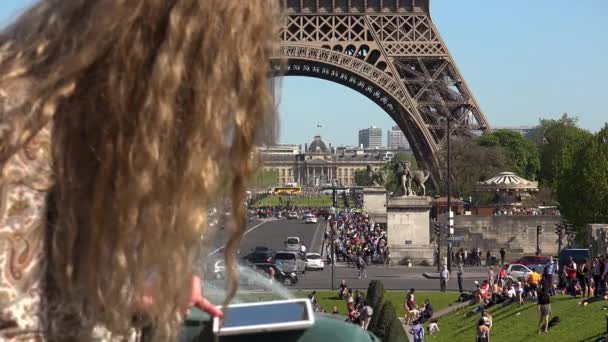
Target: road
{"points": [[272, 233]]}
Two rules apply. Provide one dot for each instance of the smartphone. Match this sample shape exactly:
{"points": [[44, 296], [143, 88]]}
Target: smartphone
{"points": [[262, 317]]}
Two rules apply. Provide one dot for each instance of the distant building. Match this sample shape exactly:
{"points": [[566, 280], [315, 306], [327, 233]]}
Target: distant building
{"points": [[319, 164], [525, 131], [370, 137], [395, 139]]}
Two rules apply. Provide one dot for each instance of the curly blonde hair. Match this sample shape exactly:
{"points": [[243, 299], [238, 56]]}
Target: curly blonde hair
{"points": [[153, 103]]}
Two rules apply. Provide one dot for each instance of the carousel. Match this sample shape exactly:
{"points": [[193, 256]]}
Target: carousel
{"points": [[509, 190]]}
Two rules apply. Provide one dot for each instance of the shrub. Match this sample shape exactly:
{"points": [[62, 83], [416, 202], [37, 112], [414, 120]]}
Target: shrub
{"points": [[395, 332], [375, 295], [386, 316]]}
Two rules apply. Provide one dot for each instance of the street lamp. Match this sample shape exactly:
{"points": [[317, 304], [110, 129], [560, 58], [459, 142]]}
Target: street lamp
{"points": [[333, 245], [450, 220]]}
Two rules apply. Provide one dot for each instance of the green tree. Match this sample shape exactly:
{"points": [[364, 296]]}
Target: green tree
{"points": [[582, 186], [472, 163], [361, 178], [522, 153], [558, 141]]}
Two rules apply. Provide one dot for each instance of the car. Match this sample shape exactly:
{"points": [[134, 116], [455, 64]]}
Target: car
{"points": [[219, 270], [532, 260], [292, 215], [314, 261], [517, 271], [293, 243], [285, 278], [290, 261], [310, 219], [260, 256]]}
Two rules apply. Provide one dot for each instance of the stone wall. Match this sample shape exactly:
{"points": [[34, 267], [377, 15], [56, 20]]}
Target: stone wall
{"points": [[516, 234]]}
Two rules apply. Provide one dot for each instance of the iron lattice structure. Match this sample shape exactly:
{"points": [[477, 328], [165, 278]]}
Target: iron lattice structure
{"points": [[389, 51]]}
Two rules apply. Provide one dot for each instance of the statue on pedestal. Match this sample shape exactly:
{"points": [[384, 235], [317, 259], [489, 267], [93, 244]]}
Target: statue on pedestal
{"points": [[406, 175], [375, 177]]}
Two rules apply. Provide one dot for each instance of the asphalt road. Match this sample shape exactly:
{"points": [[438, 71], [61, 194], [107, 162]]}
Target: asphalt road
{"points": [[273, 233]]}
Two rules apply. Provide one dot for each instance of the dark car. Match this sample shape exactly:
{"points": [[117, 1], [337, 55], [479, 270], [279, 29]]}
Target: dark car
{"points": [[285, 278], [260, 256]]}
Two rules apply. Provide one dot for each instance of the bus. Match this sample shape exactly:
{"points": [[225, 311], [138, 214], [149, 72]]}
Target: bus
{"points": [[287, 190]]}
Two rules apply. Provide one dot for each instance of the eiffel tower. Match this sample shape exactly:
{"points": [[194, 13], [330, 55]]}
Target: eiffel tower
{"points": [[391, 52]]}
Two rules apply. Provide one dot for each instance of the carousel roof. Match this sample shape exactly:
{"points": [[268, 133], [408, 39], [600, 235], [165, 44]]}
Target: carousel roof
{"points": [[507, 181]]}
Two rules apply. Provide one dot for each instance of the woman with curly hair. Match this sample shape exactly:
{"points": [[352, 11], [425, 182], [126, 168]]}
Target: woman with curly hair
{"points": [[118, 121]]}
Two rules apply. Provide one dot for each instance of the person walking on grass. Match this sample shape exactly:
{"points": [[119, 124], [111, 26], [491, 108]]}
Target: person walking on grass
{"points": [[544, 310], [444, 277]]}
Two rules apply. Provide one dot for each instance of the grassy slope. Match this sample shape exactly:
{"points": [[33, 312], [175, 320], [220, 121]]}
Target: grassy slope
{"points": [[328, 299], [296, 200], [519, 323]]}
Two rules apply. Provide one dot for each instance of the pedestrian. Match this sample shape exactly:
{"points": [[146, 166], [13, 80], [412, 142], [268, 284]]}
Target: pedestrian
{"points": [[444, 277], [366, 315], [544, 310], [570, 271], [488, 258], [418, 332], [483, 332], [502, 256], [597, 276], [582, 273], [362, 266], [491, 276], [502, 276], [548, 273], [459, 274]]}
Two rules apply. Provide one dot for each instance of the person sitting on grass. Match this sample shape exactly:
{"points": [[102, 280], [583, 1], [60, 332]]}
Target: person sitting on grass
{"points": [[426, 312], [343, 292]]}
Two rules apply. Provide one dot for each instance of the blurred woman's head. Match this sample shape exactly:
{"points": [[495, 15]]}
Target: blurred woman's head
{"points": [[155, 105]]}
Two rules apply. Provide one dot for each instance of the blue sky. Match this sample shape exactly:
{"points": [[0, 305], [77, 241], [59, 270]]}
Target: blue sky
{"points": [[522, 59]]}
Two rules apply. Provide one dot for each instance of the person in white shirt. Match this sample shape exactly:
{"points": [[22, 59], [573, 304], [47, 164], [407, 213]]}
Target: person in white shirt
{"points": [[444, 277], [303, 249]]}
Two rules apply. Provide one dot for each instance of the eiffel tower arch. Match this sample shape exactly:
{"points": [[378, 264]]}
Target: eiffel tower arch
{"points": [[391, 52]]}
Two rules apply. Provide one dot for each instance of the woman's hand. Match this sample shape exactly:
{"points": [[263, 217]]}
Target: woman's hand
{"points": [[197, 300]]}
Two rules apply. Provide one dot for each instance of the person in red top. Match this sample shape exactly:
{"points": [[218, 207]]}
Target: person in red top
{"points": [[484, 289], [570, 270], [502, 276]]}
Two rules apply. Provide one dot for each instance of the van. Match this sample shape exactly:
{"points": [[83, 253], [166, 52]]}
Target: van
{"points": [[290, 261]]}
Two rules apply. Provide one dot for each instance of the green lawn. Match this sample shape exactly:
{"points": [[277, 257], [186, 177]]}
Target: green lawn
{"points": [[328, 299], [519, 323], [313, 201]]}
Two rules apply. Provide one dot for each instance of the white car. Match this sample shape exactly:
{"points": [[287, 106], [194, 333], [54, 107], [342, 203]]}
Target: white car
{"points": [[517, 271], [310, 219], [219, 270], [314, 261]]}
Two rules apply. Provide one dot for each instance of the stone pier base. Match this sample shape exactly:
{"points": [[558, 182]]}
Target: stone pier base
{"points": [[407, 220]]}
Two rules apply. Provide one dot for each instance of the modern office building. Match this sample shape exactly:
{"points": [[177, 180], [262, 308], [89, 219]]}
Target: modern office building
{"points": [[370, 137], [395, 139]]}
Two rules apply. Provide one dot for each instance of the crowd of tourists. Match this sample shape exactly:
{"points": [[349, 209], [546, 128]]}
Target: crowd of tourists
{"points": [[358, 240], [525, 212]]}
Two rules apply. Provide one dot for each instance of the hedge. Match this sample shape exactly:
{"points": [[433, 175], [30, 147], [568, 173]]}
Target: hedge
{"points": [[395, 332], [385, 318], [375, 295]]}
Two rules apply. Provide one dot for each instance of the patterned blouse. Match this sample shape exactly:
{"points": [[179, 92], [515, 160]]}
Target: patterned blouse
{"points": [[25, 179]]}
